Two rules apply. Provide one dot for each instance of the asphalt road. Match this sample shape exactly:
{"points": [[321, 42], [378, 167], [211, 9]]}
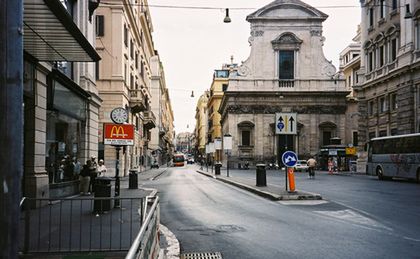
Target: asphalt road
{"points": [[361, 218]]}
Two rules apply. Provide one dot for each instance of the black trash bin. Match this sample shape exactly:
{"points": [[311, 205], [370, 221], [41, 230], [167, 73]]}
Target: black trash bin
{"points": [[261, 176], [133, 182], [102, 190], [217, 166]]}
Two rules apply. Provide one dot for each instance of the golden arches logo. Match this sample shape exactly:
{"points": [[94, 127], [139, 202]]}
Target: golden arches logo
{"points": [[118, 131]]}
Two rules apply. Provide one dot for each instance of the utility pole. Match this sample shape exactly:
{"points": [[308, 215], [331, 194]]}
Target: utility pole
{"points": [[11, 124]]}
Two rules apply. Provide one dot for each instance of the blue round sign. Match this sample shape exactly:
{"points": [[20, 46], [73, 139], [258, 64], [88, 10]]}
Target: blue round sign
{"points": [[289, 158]]}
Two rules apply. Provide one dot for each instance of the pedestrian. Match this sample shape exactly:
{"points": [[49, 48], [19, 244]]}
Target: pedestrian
{"points": [[311, 168], [93, 173], [84, 178], [101, 168], [76, 168], [330, 166]]}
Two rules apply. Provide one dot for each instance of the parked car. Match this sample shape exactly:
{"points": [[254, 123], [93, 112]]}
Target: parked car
{"points": [[301, 166], [190, 161]]}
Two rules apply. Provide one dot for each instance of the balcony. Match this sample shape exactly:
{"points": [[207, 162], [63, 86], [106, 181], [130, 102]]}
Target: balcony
{"points": [[149, 120], [137, 101]]}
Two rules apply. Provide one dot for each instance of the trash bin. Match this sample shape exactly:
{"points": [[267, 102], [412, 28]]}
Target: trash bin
{"points": [[261, 176], [133, 182], [218, 166], [102, 190]]}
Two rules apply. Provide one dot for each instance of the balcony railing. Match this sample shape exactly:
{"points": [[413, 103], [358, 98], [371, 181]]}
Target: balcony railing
{"points": [[287, 83], [137, 101], [149, 119]]}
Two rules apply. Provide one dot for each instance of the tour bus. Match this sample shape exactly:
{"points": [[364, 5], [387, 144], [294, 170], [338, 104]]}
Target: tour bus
{"points": [[394, 156], [179, 159]]}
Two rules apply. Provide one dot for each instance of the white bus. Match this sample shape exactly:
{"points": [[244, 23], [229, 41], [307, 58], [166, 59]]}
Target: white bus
{"points": [[394, 156]]}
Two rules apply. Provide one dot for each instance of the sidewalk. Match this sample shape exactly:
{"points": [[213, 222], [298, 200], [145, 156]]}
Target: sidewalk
{"points": [[271, 192]]}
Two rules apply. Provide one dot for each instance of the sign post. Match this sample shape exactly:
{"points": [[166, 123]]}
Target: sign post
{"points": [[118, 135], [227, 145], [289, 159]]}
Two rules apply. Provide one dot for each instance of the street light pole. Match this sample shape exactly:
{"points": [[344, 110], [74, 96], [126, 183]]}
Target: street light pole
{"points": [[11, 124]]}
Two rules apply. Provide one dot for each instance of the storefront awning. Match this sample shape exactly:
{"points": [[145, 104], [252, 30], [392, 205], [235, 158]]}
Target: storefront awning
{"points": [[51, 35]]}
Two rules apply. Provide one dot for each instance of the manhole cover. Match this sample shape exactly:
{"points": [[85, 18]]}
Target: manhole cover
{"points": [[213, 255]]}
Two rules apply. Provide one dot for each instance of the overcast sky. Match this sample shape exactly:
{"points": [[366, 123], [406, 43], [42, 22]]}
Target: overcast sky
{"points": [[192, 43]]}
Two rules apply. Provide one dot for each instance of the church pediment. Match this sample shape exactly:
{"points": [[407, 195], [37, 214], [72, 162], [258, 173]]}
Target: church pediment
{"points": [[286, 40], [287, 9]]}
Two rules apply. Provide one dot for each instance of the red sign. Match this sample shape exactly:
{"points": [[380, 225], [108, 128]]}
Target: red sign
{"points": [[119, 134]]}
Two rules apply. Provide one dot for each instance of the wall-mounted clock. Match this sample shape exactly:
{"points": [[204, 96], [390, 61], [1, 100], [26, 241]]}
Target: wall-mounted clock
{"points": [[119, 115]]}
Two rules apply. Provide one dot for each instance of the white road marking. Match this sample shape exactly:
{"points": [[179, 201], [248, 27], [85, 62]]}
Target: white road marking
{"points": [[353, 217], [303, 202]]}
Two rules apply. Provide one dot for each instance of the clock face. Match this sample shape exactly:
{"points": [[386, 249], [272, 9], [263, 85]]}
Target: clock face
{"points": [[119, 115]]}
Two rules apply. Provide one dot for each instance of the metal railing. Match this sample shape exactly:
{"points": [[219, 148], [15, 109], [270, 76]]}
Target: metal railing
{"points": [[80, 224], [146, 244]]}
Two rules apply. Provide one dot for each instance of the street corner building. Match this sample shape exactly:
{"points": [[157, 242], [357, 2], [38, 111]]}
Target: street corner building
{"points": [[60, 97], [286, 72]]}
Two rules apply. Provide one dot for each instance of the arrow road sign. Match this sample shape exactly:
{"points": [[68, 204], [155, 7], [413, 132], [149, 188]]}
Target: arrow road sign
{"points": [[289, 158], [286, 123]]}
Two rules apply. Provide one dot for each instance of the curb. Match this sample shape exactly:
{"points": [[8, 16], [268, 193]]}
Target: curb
{"points": [[268, 195], [172, 251]]}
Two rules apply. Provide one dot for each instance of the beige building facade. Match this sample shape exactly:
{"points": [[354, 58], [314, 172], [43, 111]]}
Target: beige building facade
{"points": [[60, 97], [124, 40], [389, 93], [201, 126]]}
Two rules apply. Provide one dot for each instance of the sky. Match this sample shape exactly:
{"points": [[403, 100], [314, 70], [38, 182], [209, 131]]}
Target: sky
{"points": [[192, 43]]}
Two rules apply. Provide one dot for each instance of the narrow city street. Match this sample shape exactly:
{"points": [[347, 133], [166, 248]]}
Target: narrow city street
{"points": [[359, 217]]}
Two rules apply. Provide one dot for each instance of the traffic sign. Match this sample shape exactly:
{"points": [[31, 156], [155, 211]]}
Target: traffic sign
{"points": [[286, 123], [289, 158]]}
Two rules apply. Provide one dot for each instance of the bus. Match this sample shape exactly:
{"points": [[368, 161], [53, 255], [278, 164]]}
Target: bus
{"points": [[179, 159], [394, 156]]}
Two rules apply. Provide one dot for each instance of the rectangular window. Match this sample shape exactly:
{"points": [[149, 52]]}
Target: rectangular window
{"points": [[370, 108], [246, 138], [136, 61], [97, 70], [372, 135], [355, 138], [394, 104], [371, 19], [383, 8], [131, 82], [418, 36], [370, 61], [125, 36], [383, 104], [100, 25], [131, 49], [382, 133], [393, 53], [394, 4], [394, 132], [224, 87], [286, 64], [381, 56]]}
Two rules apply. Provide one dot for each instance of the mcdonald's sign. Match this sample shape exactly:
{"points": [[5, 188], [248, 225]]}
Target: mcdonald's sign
{"points": [[119, 134]]}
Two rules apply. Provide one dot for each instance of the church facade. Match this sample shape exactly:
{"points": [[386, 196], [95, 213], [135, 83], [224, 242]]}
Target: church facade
{"points": [[286, 72]]}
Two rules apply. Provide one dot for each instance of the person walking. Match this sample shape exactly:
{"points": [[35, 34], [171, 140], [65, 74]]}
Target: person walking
{"points": [[311, 168], [84, 178], [101, 168], [330, 166]]}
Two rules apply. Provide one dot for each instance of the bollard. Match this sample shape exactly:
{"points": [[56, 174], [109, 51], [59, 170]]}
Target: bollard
{"points": [[261, 176], [291, 176]]}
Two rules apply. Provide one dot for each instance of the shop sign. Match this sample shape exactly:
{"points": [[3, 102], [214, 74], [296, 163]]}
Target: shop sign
{"points": [[119, 134], [350, 151], [333, 152]]}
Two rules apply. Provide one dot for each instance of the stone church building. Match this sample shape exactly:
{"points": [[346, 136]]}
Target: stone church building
{"points": [[286, 72]]}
